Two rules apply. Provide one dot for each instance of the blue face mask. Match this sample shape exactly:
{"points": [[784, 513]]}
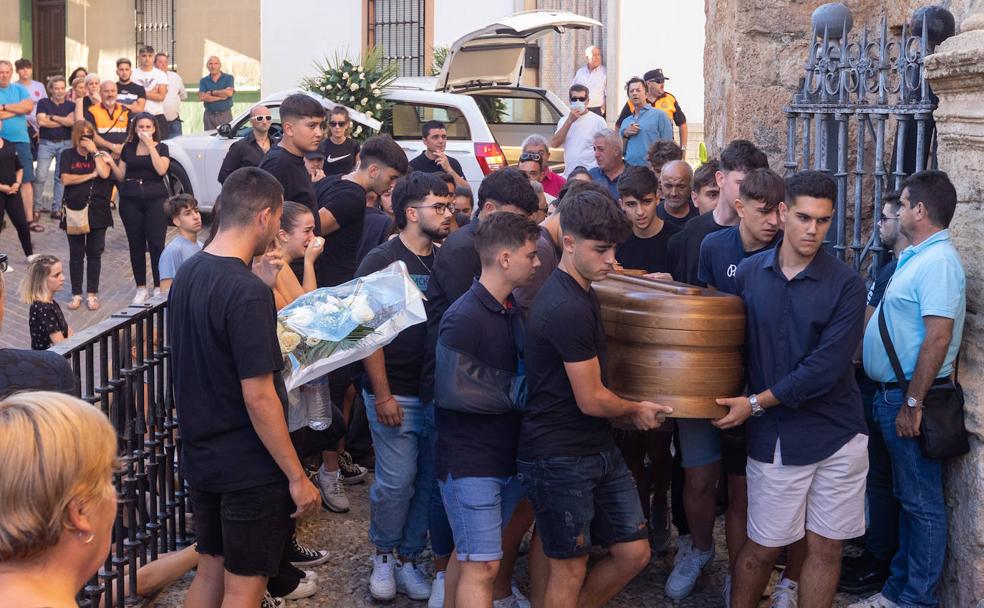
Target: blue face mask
{"points": [[577, 106]]}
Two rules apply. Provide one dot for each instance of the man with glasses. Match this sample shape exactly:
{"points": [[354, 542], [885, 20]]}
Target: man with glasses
{"points": [[154, 83], [215, 91], [341, 151], [434, 159], [575, 132], [250, 150]]}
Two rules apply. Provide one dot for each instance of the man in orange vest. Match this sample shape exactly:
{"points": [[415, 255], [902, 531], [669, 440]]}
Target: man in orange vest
{"points": [[657, 97]]}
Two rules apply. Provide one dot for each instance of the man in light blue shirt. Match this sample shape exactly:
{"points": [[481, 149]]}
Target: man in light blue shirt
{"points": [[924, 307], [645, 126]]}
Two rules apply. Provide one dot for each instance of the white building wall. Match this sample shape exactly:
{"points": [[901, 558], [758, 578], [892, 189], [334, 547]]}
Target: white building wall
{"points": [[452, 18]]}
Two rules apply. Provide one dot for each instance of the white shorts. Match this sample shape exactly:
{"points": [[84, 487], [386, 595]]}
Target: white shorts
{"points": [[826, 498]]}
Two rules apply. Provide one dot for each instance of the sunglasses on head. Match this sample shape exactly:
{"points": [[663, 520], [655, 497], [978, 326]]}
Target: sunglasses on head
{"points": [[337, 123], [3, 262], [267, 118], [530, 156]]}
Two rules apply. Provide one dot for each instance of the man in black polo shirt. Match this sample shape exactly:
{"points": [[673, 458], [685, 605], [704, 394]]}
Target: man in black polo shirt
{"points": [[807, 438], [646, 247], [565, 441], [303, 118], [677, 207], [434, 159]]}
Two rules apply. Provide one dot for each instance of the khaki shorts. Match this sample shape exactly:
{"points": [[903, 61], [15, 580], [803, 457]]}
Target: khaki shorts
{"points": [[826, 498]]}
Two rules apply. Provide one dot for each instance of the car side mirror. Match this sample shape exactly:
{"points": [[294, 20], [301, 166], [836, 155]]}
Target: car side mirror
{"points": [[225, 130]]}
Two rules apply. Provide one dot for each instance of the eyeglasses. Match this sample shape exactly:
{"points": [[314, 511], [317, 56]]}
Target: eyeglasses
{"points": [[3, 262], [337, 123], [530, 156], [579, 98], [440, 208], [883, 220], [262, 118]]}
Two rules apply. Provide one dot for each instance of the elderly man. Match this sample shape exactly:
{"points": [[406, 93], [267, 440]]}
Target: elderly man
{"points": [[576, 131], [594, 76], [250, 150], [608, 155], [676, 207], [176, 93], [552, 182], [110, 118], [215, 91]]}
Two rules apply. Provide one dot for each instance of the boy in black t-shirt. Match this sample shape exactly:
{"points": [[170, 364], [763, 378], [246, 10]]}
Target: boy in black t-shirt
{"points": [[565, 441], [434, 158], [646, 247], [302, 117]]}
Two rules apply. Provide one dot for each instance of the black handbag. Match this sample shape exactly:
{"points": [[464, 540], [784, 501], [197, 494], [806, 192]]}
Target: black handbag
{"points": [[942, 433]]}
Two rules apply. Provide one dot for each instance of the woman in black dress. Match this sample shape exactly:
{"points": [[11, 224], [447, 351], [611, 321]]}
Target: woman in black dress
{"points": [[85, 171], [142, 167], [11, 174]]}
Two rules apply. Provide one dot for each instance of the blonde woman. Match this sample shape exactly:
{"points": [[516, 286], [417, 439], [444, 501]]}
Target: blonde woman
{"points": [[57, 455], [46, 321]]}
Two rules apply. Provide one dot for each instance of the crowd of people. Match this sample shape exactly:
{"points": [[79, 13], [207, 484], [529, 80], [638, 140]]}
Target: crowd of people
{"points": [[464, 462]]}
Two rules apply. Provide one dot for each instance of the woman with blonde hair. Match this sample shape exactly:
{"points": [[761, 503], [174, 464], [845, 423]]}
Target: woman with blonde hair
{"points": [[57, 456]]}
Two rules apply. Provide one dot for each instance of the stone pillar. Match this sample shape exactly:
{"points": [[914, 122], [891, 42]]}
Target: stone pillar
{"points": [[956, 73]]}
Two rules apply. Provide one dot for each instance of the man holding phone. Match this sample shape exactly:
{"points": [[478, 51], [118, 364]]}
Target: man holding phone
{"points": [[576, 131]]}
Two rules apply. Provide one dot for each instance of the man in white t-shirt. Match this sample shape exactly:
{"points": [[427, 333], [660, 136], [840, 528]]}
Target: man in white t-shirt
{"points": [[594, 76], [154, 82], [176, 93], [576, 131], [25, 73]]}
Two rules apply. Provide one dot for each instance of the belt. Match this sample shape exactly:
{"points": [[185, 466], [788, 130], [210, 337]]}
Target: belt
{"points": [[887, 386], [141, 180]]}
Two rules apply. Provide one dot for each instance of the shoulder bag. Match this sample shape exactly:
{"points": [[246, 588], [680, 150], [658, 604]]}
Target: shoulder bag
{"points": [[942, 433], [76, 221]]}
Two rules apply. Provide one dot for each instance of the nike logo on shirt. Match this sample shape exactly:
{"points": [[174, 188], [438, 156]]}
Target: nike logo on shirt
{"points": [[330, 159]]}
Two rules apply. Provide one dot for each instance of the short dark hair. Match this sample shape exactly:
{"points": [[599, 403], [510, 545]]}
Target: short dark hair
{"points": [[446, 178], [178, 203], [383, 150], [578, 87], [742, 155], [503, 231], [637, 182], [893, 198], [245, 194], [23, 63], [340, 111], [764, 186], [131, 133], [145, 49], [414, 188], [292, 214], [705, 175], [934, 190], [578, 170], [466, 192], [815, 184], [123, 60], [663, 151], [589, 214], [429, 126], [573, 186], [300, 105], [508, 186], [633, 80]]}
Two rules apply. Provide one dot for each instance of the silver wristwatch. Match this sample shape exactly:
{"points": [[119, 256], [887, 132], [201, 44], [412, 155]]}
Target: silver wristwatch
{"points": [[912, 402], [757, 410]]}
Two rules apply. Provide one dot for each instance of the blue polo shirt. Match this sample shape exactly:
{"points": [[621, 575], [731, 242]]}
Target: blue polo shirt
{"points": [[720, 254], [800, 336], [929, 280], [206, 84], [14, 129], [598, 176], [653, 125]]}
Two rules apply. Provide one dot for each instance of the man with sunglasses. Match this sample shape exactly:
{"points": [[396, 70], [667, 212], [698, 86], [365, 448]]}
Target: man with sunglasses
{"points": [[341, 151], [250, 150], [575, 132]]}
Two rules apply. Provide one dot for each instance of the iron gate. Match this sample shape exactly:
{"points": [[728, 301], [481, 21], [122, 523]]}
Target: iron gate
{"points": [[871, 87], [154, 26], [398, 28]]}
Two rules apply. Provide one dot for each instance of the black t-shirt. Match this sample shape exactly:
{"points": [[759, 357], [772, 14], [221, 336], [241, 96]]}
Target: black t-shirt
{"points": [[129, 93], [346, 200], [422, 163], [649, 254], [685, 247], [30, 370], [95, 192], [404, 355], [9, 163], [877, 290], [141, 166], [564, 326], [679, 222], [63, 109], [339, 158], [293, 176], [223, 330], [480, 445], [376, 229], [44, 319]]}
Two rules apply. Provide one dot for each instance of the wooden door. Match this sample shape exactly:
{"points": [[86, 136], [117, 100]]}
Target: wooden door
{"points": [[49, 38]]}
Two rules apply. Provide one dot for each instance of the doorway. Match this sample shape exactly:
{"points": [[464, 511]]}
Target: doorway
{"points": [[48, 33]]}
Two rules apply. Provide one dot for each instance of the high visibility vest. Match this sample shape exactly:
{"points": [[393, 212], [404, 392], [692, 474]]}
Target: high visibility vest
{"points": [[667, 103]]}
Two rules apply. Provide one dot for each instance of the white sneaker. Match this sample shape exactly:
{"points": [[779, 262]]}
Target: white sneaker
{"points": [[437, 592], [271, 602], [521, 600], [382, 582], [875, 601], [411, 582], [726, 591], [307, 587], [684, 544], [506, 602], [785, 594], [686, 571], [140, 297], [332, 492], [157, 291]]}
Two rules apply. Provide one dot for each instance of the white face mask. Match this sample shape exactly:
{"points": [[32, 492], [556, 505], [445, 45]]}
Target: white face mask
{"points": [[577, 106]]}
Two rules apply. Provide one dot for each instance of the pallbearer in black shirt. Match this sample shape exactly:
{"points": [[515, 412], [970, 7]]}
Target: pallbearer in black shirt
{"points": [[646, 247]]}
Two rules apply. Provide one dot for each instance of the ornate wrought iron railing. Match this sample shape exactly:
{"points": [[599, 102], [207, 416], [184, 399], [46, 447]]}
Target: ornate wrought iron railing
{"points": [[122, 366], [868, 87]]}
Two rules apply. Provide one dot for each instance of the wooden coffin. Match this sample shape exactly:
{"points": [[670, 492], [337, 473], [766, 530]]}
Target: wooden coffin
{"points": [[672, 343]]}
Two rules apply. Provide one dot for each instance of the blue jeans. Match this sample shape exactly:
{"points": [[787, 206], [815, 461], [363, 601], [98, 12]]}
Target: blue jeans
{"points": [[479, 509], [400, 494], [174, 128], [918, 483], [441, 537], [46, 151], [882, 536]]}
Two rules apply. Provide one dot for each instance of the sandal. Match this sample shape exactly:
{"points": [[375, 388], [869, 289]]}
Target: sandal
{"points": [[35, 226], [92, 302], [75, 303], [56, 215]]}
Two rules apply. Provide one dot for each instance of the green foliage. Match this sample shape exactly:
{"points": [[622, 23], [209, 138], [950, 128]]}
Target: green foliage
{"points": [[440, 56]]}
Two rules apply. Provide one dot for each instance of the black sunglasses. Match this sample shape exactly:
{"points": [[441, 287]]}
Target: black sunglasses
{"points": [[579, 98], [3, 262], [337, 123]]}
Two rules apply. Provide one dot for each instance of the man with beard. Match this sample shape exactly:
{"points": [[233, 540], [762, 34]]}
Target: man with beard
{"points": [[131, 94], [399, 421], [245, 480], [675, 180]]}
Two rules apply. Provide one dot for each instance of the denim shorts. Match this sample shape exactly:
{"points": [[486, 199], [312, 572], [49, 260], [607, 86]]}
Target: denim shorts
{"points": [[248, 528], [478, 509], [583, 500], [26, 158]]}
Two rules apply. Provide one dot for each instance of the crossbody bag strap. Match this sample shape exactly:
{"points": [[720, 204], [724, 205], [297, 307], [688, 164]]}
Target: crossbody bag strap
{"points": [[893, 357]]}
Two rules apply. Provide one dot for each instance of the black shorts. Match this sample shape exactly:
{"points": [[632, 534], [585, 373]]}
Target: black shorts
{"points": [[734, 451], [248, 528]]}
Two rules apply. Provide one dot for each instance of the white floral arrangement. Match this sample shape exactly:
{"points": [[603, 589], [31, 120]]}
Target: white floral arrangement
{"points": [[334, 326], [356, 85]]}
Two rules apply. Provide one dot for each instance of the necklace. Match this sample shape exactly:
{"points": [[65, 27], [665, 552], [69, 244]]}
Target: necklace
{"points": [[419, 259]]}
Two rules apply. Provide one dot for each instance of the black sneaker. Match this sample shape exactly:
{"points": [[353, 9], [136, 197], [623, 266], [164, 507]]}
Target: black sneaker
{"points": [[350, 473], [302, 557], [862, 574]]}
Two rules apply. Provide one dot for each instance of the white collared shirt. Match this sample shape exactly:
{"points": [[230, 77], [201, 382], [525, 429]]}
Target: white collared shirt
{"points": [[597, 82]]}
